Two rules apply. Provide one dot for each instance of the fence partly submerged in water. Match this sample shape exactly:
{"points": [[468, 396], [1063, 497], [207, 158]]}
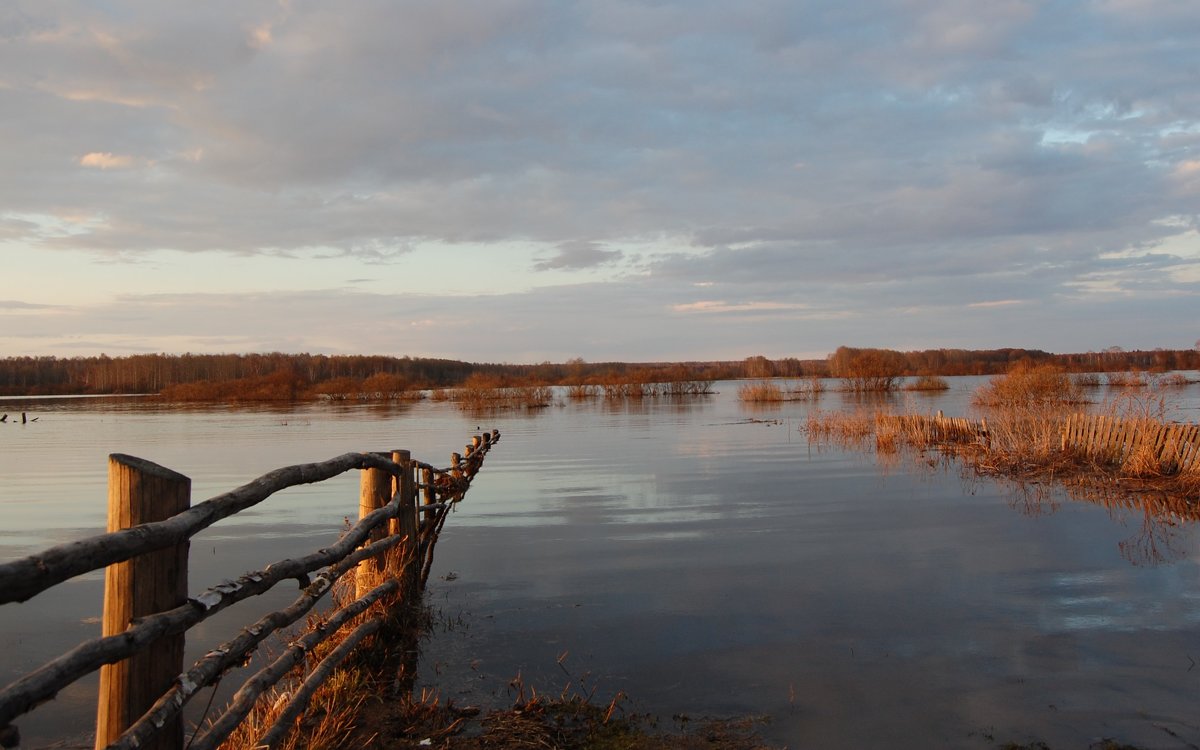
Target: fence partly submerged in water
{"points": [[147, 611]]}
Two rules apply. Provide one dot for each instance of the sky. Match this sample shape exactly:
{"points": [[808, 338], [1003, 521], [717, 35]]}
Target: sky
{"points": [[525, 180]]}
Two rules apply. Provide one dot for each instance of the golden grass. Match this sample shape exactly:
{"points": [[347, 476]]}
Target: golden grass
{"points": [[582, 391], [762, 391], [1029, 386], [332, 716], [503, 397], [848, 427], [928, 383], [1126, 380], [1173, 380], [1024, 435]]}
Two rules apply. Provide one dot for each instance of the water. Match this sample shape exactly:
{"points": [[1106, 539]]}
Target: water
{"points": [[700, 556]]}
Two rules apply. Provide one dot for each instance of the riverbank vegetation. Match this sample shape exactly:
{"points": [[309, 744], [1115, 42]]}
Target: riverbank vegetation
{"points": [[278, 376], [1033, 424]]}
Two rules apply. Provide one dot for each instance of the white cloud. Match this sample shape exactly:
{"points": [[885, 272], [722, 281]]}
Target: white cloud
{"points": [[105, 160]]}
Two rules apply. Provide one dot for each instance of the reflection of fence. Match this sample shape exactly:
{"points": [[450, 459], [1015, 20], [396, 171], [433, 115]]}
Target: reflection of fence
{"points": [[1175, 447], [143, 688]]}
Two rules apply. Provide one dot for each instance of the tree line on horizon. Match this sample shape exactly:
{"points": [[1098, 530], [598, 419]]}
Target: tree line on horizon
{"points": [[277, 376]]}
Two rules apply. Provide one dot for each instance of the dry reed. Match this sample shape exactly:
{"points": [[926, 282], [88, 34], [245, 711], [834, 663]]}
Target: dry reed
{"points": [[762, 391]]}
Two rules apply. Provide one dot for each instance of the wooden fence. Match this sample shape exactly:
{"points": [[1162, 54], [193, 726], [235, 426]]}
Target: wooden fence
{"points": [[143, 687], [1175, 447]]}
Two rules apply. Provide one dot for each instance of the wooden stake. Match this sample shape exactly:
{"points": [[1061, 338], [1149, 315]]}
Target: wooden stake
{"points": [[140, 491], [407, 525], [374, 492]]}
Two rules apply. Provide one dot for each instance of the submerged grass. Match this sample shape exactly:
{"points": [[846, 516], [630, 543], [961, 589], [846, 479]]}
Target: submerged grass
{"points": [[562, 722], [1031, 428], [766, 391]]}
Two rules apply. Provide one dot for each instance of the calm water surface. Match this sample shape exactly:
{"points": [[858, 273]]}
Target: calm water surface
{"points": [[700, 556]]}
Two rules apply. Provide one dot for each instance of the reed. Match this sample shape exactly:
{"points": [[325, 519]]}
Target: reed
{"points": [[760, 392], [1088, 380], [583, 391], [927, 383], [1126, 380], [808, 389], [847, 427], [1029, 386], [1173, 380], [333, 712]]}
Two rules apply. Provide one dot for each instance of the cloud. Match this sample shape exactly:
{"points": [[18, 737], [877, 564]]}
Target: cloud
{"points": [[578, 255], [951, 155], [105, 160], [722, 307]]}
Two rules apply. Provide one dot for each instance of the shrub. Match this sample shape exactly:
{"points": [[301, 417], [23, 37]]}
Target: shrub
{"points": [[1126, 380], [867, 369], [759, 392], [928, 383], [1029, 386]]}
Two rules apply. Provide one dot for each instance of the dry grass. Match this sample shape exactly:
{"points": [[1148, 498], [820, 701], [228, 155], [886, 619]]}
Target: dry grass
{"points": [[332, 716], [328, 724], [762, 391], [1126, 380], [565, 722], [845, 427], [1173, 380], [478, 398], [1088, 380], [1029, 386], [1024, 435], [766, 391], [928, 383], [583, 391]]}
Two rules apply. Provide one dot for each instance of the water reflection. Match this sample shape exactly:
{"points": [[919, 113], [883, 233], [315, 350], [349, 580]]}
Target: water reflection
{"points": [[1163, 526], [698, 560]]}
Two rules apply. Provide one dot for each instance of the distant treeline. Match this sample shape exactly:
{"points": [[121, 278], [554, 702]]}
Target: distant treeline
{"points": [[283, 376]]}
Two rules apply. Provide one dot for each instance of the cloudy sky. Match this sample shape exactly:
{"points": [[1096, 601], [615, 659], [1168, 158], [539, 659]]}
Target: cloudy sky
{"points": [[525, 180]]}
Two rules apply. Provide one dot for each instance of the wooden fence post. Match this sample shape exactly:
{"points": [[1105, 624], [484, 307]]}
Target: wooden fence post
{"points": [[407, 525], [140, 491], [374, 492]]}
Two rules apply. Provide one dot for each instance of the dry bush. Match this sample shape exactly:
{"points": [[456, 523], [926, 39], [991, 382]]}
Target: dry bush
{"points": [[928, 383], [1173, 380], [759, 392], [809, 388], [1029, 386], [1088, 380], [582, 391], [1126, 380], [840, 426]]}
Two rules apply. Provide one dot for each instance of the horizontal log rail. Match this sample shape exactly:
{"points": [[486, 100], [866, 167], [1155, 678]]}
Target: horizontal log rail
{"points": [[392, 541]]}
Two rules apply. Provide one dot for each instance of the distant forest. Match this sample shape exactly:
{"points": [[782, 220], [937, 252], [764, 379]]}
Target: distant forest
{"points": [[283, 376]]}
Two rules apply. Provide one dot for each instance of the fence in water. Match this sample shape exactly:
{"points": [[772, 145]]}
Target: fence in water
{"points": [[143, 688]]}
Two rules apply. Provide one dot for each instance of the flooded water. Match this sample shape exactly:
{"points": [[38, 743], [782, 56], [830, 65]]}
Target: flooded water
{"points": [[700, 556]]}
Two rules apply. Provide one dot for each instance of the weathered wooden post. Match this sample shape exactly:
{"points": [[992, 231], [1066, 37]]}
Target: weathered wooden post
{"points": [[456, 474], [374, 492], [407, 524], [141, 491], [428, 497]]}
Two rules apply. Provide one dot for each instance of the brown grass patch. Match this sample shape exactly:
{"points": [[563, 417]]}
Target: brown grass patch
{"points": [[762, 391], [928, 383]]}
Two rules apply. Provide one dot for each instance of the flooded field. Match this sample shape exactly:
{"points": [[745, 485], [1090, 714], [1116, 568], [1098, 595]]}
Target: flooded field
{"points": [[700, 555]]}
